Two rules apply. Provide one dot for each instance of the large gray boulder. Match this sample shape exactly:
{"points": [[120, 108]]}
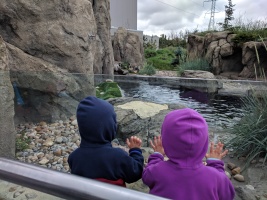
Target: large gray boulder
{"points": [[252, 66], [54, 31], [7, 133], [197, 74], [195, 46], [49, 93], [128, 48], [54, 48]]}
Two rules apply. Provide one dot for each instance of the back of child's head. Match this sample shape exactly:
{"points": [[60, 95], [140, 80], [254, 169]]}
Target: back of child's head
{"points": [[185, 137], [96, 120]]}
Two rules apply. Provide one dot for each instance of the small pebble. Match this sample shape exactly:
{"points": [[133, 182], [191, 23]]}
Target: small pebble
{"points": [[239, 178]]}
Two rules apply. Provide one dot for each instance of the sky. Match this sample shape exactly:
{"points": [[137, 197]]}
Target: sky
{"points": [[170, 17]]}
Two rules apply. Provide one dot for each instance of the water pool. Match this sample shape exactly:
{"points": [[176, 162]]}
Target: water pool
{"points": [[220, 112]]}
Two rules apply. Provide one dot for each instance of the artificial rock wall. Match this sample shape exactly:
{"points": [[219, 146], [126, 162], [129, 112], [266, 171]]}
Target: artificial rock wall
{"points": [[7, 132], [226, 57], [54, 48]]}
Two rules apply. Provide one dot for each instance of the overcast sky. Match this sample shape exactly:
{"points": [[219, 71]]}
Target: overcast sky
{"points": [[171, 16]]}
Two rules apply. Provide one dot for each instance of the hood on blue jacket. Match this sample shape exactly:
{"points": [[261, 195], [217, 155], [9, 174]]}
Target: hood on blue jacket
{"points": [[97, 122], [185, 137]]}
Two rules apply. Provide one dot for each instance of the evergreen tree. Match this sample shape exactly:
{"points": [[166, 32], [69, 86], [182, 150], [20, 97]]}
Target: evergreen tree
{"points": [[229, 11]]}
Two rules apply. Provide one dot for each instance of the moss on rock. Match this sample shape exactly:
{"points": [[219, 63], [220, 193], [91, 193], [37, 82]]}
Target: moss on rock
{"points": [[108, 90]]}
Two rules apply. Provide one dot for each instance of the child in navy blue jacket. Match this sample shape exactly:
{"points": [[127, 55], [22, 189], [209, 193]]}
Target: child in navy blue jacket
{"points": [[96, 158]]}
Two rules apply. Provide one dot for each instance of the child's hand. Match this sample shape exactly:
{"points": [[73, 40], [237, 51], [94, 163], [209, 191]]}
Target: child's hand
{"points": [[216, 152], [157, 145], [134, 142]]}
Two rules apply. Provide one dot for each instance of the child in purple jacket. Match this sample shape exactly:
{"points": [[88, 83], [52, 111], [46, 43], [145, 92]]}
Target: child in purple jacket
{"points": [[184, 140]]}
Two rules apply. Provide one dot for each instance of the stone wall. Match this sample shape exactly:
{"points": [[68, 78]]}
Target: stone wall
{"points": [[7, 132], [103, 64], [226, 57]]}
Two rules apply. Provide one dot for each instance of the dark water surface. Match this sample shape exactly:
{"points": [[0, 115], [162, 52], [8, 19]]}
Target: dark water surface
{"points": [[219, 111]]}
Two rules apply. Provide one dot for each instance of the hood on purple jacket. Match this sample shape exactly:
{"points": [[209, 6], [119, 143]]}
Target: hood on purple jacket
{"points": [[184, 135]]}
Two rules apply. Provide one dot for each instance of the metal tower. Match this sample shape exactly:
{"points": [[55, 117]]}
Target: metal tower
{"points": [[212, 13]]}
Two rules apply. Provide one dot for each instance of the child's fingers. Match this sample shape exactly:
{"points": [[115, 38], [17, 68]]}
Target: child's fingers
{"points": [[152, 145], [211, 147], [137, 140], [219, 147], [224, 153], [159, 139], [140, 141], [155, 140], [128, 142]]}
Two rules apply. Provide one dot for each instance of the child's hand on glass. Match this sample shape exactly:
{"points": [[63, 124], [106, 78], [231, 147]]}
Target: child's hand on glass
{"points": [[134, 142], [216, 152], [157, 145]]}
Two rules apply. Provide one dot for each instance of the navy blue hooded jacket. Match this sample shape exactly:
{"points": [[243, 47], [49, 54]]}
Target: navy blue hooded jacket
{"points": [[96, 158]]}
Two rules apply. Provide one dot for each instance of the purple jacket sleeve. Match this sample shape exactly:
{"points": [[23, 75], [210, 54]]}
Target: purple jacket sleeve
{"points": [[217, 164], [148, 175], [227, 190]]}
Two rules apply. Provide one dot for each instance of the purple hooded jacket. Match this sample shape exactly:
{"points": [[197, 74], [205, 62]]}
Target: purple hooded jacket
{"points": [[185, 140]]}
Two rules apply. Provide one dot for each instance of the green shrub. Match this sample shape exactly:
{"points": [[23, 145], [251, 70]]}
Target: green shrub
{"points": [[108, 90], [163, 59], [245, 29], [242, 37], [125, 65], [175, 39], [161, 63], [249, 30], [22, 142], [150, 53], [148, 70], [204, 33], [181, 55], [197, 64], [163, 52], [250, 133]]}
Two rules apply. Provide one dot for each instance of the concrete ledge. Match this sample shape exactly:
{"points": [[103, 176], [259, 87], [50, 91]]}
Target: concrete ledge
{"points": [[233, 92], [242, 88], [223, 87], [204, 85]]}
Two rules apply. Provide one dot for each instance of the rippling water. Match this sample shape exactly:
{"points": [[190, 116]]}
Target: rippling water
{"points": [[220, 112]]}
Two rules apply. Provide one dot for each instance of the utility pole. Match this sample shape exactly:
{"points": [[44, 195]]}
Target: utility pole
{"points": [[212, 14]]}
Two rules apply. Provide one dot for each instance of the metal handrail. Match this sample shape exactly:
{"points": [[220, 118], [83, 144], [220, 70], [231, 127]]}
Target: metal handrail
{"points": [[64, 185]]}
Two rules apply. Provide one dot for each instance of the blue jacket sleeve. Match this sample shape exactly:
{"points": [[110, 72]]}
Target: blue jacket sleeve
{"points": [[133, 168]]}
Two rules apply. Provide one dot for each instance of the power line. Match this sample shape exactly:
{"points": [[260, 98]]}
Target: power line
{"points": [[200, 5], [177, 8]]}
